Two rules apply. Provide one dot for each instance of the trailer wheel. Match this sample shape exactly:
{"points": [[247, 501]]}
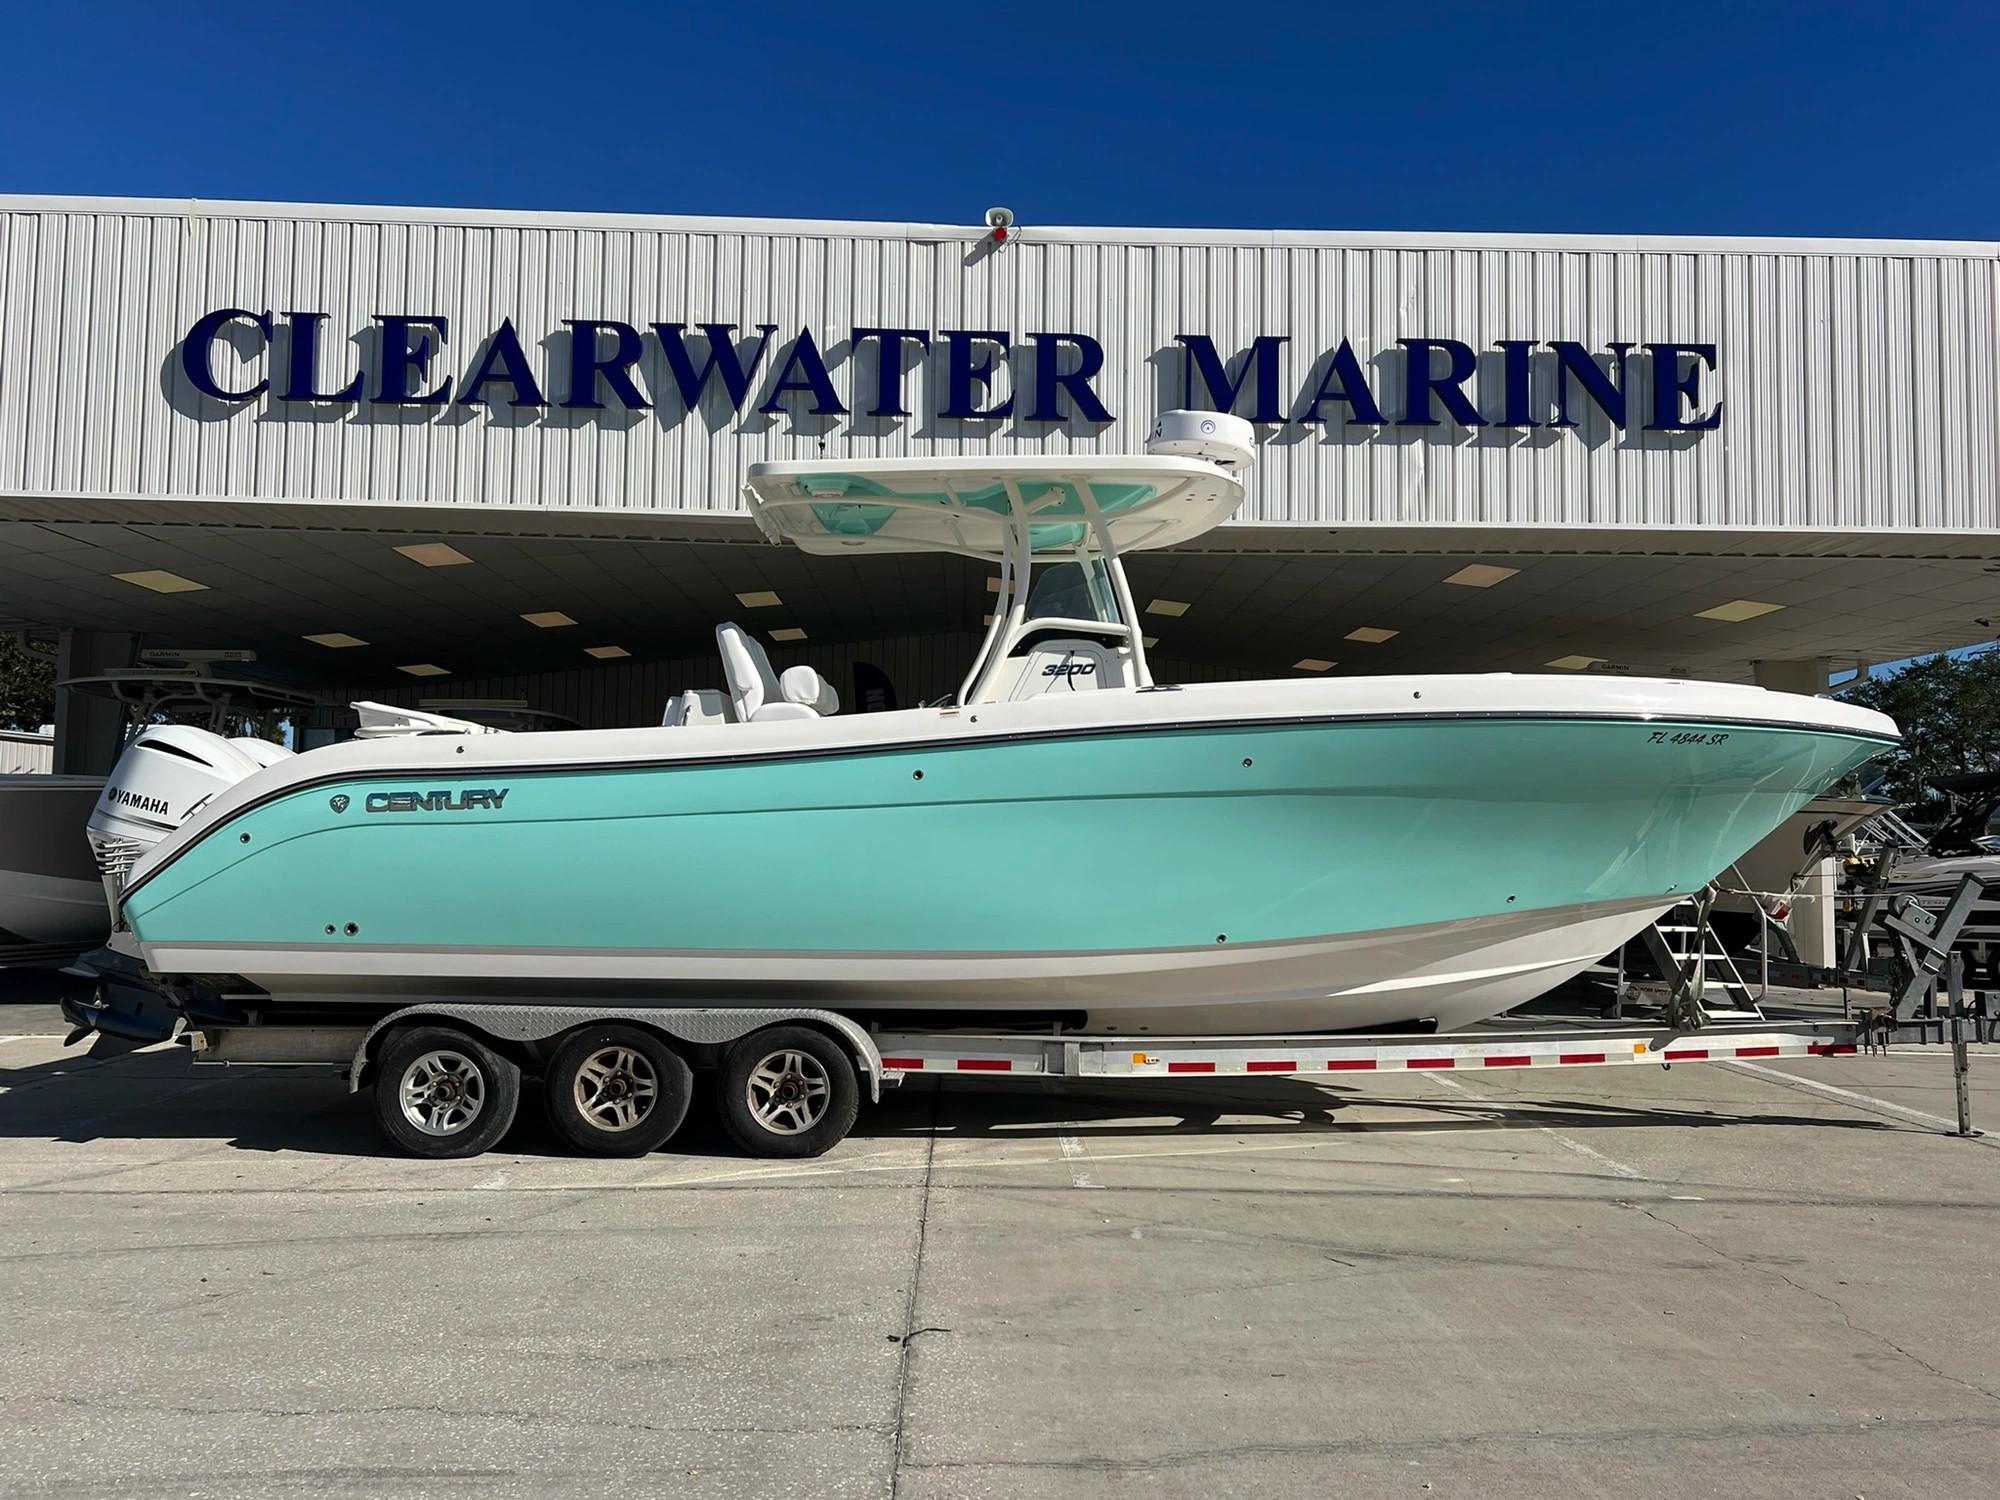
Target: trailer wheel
{"points": [[617, 1090], [440, 1092], [787, 1091]]}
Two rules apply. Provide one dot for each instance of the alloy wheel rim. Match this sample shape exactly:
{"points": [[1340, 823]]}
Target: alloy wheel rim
{"points": [[615, 1089], [442, 1092], [788, 1092]]}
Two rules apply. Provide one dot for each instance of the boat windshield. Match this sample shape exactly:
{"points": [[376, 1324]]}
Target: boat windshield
{"points": [[1073, 591]]}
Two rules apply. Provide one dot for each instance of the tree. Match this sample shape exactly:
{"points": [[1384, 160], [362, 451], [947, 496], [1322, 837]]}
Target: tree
{"points": [[1948, 708], [27, 688]]}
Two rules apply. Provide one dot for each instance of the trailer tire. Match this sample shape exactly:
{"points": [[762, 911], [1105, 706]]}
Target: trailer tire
{"points": [[617, 1090], [442, 1093], [787, 1091]]}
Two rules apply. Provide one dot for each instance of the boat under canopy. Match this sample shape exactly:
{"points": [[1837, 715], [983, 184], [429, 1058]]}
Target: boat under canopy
{"points": [[1066, 838]]}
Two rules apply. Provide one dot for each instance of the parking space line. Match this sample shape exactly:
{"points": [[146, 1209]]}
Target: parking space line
{"points": [[1588, 1153], [1835, 1092], [1078, 1156]]}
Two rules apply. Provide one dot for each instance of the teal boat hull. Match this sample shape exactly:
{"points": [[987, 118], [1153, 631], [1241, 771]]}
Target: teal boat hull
{"points": [[1248, 877]]}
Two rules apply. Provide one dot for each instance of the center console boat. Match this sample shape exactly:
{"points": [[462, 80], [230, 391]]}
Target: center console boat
{"points": [[1066, 841]]}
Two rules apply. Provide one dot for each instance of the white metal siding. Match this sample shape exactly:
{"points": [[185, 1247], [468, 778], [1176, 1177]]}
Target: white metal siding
{"points": [[1859, 382]]}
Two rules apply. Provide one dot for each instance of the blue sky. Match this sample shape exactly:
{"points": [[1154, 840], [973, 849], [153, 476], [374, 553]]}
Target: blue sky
{"points": [[1746, 119]]}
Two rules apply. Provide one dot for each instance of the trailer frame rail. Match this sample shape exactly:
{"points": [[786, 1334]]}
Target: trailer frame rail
{"points": [[1075, 1056]]}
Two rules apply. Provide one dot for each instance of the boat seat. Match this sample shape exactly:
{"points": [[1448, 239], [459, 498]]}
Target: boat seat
{"points": [[757, 694], [695, 706]]}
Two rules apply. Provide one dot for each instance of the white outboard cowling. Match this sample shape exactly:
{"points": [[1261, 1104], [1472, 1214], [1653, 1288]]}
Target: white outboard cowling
{"points": [[1228, 442], [167, 773]]}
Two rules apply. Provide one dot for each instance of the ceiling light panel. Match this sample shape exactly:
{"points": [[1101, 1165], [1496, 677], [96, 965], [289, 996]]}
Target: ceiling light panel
{"points": [[160, 581], [1738, 610], [434, 554], [1481, 575], [339, 640]]}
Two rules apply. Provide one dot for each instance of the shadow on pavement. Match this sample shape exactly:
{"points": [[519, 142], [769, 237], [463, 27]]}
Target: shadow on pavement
{"points": [[1273, 1106], [159, 1095]]}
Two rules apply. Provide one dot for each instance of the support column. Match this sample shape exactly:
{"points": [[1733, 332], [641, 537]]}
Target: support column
{"points": [[1813, 906], [89, 731], [1812, 915], [1806, 675]]}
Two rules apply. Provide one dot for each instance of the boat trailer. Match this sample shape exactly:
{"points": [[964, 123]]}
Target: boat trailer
{"points": [[885, 1058]]}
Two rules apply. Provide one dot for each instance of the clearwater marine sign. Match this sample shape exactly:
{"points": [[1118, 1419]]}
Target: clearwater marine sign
{"points": [[238, 356]]}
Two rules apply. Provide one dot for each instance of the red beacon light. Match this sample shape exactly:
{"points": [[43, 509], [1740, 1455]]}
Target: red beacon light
{"points": [[1000, 222]]}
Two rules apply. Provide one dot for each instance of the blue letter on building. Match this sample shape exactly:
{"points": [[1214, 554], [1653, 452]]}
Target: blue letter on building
{"points": [[198, 349], [1352, 388], [1261, 361], [1419, 382], [962, 375], [586, 364], [1669, 386], [506, 352], [723, 360], [302, 380], [400, 357], [1048, 378], [1573, 359], [889, 368], [812, 378]]}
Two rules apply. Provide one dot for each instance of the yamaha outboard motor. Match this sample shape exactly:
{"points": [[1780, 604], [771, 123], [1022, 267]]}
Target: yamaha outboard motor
{"points": [[168, 773]]}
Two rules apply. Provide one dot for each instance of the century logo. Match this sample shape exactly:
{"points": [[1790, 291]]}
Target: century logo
{"points": [[482, 799]]}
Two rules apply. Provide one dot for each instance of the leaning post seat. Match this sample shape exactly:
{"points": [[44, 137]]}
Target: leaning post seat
{"points": [[757, 695]]}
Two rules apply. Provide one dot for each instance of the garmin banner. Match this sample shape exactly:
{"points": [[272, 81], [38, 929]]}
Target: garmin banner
{"points": [[238, 357]]}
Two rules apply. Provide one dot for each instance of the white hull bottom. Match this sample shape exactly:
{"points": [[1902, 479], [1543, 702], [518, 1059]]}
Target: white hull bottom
{"points": [[1454, 973], [51, 909]]}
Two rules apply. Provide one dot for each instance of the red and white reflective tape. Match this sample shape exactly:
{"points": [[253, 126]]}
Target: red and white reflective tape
{"points": [[961, 1064], [1109, 1059]]}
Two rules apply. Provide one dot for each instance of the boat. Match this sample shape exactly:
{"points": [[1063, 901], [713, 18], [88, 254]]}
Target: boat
{"points": [[51, 903], [1931, 867], [1767, 879], [1067, 842], [52, 899]]}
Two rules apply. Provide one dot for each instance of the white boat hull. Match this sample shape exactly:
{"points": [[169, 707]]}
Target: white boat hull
{"points": [[50, 893], [1453, 973]]}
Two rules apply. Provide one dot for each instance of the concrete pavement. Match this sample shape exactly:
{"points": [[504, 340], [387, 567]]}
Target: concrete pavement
{"points": [[1713, 1280]]}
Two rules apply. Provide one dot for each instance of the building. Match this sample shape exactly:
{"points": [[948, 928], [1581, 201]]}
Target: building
{"points": [[438, 453]]}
